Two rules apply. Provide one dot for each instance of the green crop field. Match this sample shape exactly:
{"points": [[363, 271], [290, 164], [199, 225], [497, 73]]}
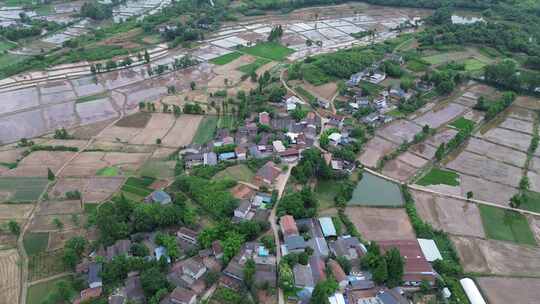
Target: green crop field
{"points": [[35, 242], [473, 64], [158, 168], [325, 192], [45, 264], [248, 69], [417, 66], [227, 121], [506, 225], [269, 50], [38, 292], [23, 189], [224, 59], [237, 173], [462, 123], [533, 201], [206, 130], [107, 171], [438, 176]]}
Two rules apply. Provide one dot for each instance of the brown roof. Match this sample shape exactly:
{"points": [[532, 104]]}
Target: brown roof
{"points": [[242, 191], [239, 150], [216, 247], [188, 232], [416, 267], [288, 225], [182, 295], [90, 293], [269, 172], [290, 152], [337, 271]]}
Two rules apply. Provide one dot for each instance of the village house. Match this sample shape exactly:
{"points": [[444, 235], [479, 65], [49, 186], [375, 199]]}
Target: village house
{"points": [[327, 227], [288, 226], [193, 269], [338, 273], [187, 235], [243, 210], [243, 192], [267, 175], [335, 139], [227, 156], [210, 159], [131, 291], [348, 247], [417, 268], [398, 94], [290, 155], [264, 118], [335, 121], [241, 153], [303, 277], [88, 294], [193, 159], [316, 239], [217, 250], [278, 146], [94, 279], [118, 248], [180, 295]]}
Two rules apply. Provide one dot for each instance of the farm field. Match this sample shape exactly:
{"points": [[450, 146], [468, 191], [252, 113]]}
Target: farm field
{"points": [[45, 264], [35, 242], [325, 192], [87, 164], [182, 132], [36, 164], [239, 173], [453, 216], [495, 289], [496, 257], [224, 59], [462, 123], [206, 130], [380, 224], [9, 276], [92, 189], [37, 292], [437, 176], [269, 50], [404, 166], [505, 225], [250, 68]]}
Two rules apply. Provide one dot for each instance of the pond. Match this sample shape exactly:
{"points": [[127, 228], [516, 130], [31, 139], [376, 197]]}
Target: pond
{"points": [[376, 191], [456, 19]]}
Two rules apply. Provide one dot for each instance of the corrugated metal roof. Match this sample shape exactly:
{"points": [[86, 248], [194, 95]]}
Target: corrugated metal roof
{"points": [[430, 250], [327, 226]]}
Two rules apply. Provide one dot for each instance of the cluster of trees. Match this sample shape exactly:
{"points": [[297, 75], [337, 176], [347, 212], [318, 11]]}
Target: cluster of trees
{"points": [[419, 137], [231, 236], [302, 204], [213, 196], [386, 269], [341, 64], [276, 33], [507, 75], [120, 217], [96, 10], [445, 148], [73, 250], [62, 133], [311, 165], [193, 108], [181, 33], [492, 108], [33, 28]]}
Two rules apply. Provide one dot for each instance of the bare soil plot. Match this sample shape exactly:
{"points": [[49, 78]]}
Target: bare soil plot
{"points": [[25, 124], [36, 163], [534, 179], [443, 136], [496, 152], [375, 149], [60, 115], [157, 127], [517, 125], [450, 215], [15, 211], [228, 71], [521, 113], [9, 276], [19, 99], [119, 134], [57, 239], [486, 190], [183, 130], [522, 290], [439, 116], [44, 223], [381, 223], [496, 257], [137, 120], [88, 163], [528, 102], [534, 223], [163, 152], [535, 164], [399, 170], [7, 239], [11, 155], [508, 138], [95, 110], [399, 131], [59, 207], [425, 150], [481, 166], [326, 91], [57, 97], [90, 130]]}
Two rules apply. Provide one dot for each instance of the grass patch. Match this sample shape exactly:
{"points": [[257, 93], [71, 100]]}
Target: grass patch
{"points": [[107, 171], [91, 97], [533, 201], [136, 188], [35, 242], [396, 113], [227, 121], [438, 176], [251, 68], [269, 50], [22, 189], [506, 225], [9, 165], [158, 169], [38, 292], [462, 123], [206, 130], [304, 93], [224, 59], [417, 66], [141, 182], [90, 208], [326, 191], [473, 64], [45, 264], [237, 173]]}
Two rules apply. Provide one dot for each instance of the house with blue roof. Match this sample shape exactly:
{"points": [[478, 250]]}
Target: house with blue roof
{"points": [[327, 227], [227, 156], [159, 197], [161, 252]]}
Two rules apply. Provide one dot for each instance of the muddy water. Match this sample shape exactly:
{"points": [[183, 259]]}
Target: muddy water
{"points": [[376, 191]]}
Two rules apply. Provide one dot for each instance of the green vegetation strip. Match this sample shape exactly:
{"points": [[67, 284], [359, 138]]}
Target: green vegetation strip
{"points": [[92, 97], [462, 123], [438, 176], [206, 130], [35, 242], [532, 201], [107, 171], [251, 68], [269, 50], [506, 225], [224, 59]]}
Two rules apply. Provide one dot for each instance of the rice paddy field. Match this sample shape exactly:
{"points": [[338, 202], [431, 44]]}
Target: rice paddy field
{"points": [[224, 59], [437, 176], [376, 191], [268, 50], [505, 225]]}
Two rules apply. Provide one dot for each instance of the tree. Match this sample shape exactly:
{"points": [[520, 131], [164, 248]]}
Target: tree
{"points": [[395, 265], [14, 227], [77, 244], [231, 245], [249, 273], [146, 56], [441, 150], [193, 85], [286, 277], [322, 291], [70, 258], [380, 273], [469, 195], [169, 242], [50, 174], [158, 141], [56, 222], [139, 249], [153, 280], [344, 263]]}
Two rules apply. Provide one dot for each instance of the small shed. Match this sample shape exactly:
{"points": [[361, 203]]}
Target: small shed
{"points": [[327, 226], [430, 250]]}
